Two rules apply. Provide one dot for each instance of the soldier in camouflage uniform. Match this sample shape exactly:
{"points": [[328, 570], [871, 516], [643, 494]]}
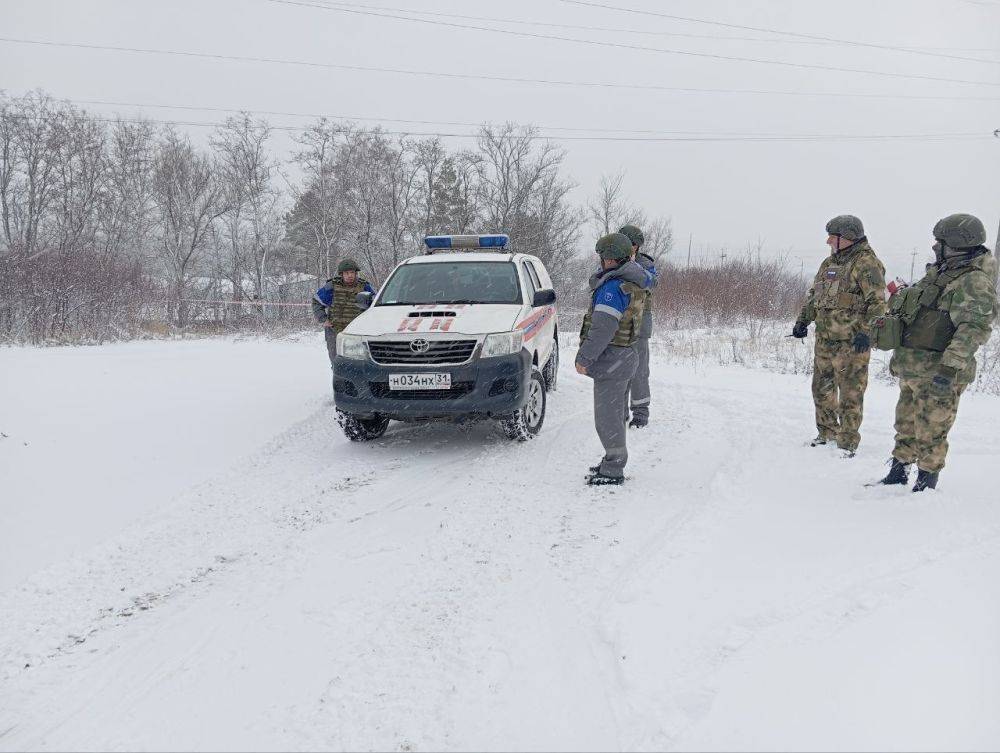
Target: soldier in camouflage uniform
{"points": [[638, 388], [942, 321], [610, 329], [848, 292], [335, 304]]}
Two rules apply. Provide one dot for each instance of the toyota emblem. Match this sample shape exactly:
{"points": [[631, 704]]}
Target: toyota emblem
{"points": [[420, 345]]}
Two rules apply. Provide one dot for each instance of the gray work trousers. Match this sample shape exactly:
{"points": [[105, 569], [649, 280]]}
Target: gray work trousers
{"points": [[331, 349], [612, 373], [638, 386]]}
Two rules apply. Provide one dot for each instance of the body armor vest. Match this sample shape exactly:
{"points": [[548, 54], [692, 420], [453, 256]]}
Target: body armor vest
{"points": [[628, 326], [343, 309], [836, 290], [922, 324]]}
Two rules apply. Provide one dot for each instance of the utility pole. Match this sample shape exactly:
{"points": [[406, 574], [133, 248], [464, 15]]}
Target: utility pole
{"points": [[690, 237], [913, 264]]}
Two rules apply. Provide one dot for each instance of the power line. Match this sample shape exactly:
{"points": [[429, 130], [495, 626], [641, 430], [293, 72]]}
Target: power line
{"points": [[486, 77], [640, 48], [782, 32], [704, 137], [469, 124], [641, 32]]}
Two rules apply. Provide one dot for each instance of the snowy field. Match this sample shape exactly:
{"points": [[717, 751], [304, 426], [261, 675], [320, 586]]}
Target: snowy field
{"points": [[193, 557]]}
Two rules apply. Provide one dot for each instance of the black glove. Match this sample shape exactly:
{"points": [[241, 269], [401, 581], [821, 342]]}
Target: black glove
{"points": [[862, 343], [800, 330]]}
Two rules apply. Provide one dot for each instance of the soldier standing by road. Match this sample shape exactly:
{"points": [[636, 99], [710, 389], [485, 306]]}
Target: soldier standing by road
{"points": [[610, 329], [638, 388], [335, 304], [936, 327], [848, 292]]}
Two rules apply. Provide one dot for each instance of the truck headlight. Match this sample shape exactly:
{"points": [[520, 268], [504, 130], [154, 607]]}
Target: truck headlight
{"points": [[502, 343], [351, 346]]}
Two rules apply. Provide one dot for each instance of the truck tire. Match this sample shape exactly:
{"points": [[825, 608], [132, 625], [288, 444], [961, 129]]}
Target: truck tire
{"points": [[551, 370], [527, 422], [362, 429]]}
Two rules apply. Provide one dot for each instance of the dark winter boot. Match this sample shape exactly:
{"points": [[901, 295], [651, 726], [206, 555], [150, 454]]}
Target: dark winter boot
{"points": [[819, 442], [899, 473], [599, 479], [925, 480], [638, 422]]}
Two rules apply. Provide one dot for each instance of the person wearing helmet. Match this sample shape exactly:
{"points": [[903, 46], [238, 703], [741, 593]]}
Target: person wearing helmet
{"points": [[946, 317], [610, 330], [847, 293], [638, 388], [335, 304]]}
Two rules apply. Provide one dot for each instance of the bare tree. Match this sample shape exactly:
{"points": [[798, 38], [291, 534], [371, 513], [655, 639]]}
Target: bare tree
{"points": [[188, 199], [317, 223], [608, 207], [251, 223]]}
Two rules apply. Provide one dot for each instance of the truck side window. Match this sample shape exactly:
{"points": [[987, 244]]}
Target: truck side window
{"points": [[530, 280], [534, 276]]}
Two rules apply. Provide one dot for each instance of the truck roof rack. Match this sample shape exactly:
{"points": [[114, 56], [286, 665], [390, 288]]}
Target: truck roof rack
{"points": [[491, 242]]}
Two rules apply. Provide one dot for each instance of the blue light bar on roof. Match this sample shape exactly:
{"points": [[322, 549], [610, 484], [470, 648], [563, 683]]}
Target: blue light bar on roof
{"points": [[466, 241]]}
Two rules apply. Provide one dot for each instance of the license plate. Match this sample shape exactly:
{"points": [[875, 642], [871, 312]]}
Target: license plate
{"points": [[420, 381]]}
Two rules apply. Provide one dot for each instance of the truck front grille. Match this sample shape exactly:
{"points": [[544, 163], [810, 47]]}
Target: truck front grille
{"points": [[439, 352], [458, 389]]}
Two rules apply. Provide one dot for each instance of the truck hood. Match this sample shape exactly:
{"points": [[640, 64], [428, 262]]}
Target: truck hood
{"points": [[465, 319]]}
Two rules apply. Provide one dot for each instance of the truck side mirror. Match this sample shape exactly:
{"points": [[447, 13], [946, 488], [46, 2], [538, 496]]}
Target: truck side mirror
{"points": [[364, 300], [543, 298]]}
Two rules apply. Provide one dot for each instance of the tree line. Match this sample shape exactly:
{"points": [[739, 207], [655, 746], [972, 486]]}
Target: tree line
{"points": [[111, 225]]}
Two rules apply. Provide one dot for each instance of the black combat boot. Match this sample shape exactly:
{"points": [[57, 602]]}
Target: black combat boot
{"points": [[899, 473], [925, 480], [599, 479], [638, 422]]}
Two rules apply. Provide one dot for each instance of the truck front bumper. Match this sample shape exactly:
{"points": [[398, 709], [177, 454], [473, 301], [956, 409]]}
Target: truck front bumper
{"points": [[483, 388]]}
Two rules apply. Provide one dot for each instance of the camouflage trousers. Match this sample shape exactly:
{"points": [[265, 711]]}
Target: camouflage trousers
{"points": [[840, 378], [923, 420]]}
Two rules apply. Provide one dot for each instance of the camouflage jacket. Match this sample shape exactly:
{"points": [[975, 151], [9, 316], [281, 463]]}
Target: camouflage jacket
{"points": [[971, 302], [848, 292]]}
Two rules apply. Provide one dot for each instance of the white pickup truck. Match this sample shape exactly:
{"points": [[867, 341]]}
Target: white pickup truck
{"points": [[467, 330]]}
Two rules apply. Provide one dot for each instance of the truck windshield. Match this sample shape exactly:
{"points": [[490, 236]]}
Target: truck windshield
{"points": [[452, 282]]}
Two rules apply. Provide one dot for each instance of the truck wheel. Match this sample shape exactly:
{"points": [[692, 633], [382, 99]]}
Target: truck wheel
{"points": [[362, 429], [527, 422], [551, 370]]}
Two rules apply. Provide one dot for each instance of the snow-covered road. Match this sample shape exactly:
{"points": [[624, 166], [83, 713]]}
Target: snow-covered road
{"points": [[443, 588]]}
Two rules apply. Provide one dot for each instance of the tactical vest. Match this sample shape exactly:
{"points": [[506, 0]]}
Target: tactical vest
{"points": [[914, 319], [343, 309], [628, 326], [647, 301], [833, 291]]}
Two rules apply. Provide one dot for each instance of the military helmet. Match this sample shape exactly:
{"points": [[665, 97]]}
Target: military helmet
{"points": [[960, 231], [846, 226], [634, 234], [347, 264], [615, 246]]}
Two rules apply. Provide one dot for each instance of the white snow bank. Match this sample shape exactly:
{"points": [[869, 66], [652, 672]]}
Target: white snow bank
{"points": [[98, 437], [443, 588]]}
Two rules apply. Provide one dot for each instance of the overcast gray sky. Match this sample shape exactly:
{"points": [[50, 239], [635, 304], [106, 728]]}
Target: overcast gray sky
{"points": [[724, 193]]}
